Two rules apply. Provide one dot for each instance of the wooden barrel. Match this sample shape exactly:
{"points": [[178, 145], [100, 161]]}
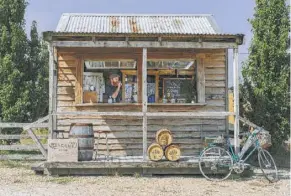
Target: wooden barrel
{"points": [[155, 152], [172, 152], [164, 137], [85, 135]]}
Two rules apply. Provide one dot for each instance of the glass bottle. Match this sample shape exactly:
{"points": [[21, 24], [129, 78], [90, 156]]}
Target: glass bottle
{"points": [[169, 97], [173, 100], [110, 99], [134, 94], [164, 99]]}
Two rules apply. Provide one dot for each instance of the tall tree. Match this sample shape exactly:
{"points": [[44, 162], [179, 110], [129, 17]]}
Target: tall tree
{"points": [[23, 66], [38, 63], [265, 98], [14, 95]]}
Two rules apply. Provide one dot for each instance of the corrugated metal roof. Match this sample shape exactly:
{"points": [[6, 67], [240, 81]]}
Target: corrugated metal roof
{"points": [[137, 24]]}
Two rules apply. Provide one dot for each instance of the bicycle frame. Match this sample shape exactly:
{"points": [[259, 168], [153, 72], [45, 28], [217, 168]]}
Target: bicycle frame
{"points": [[239, 157]]}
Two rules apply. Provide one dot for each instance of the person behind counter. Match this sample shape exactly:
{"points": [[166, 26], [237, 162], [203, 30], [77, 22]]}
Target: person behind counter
{"points": [[113, 89]]}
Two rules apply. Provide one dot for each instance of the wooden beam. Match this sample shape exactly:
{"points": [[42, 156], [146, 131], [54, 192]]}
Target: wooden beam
{"points": [[34, 137], [55, 89], [18, 137], [145, 102], [140, 114], [79, 82], [36, 123], [20, 147], [87, 113], [30, 157], [51, 87], [190, 114], [144, 44], [251, 124], [139, 78], [157, 87], [226, 91], [37, 142], [200, 80], [236, 99], [21, 125]]}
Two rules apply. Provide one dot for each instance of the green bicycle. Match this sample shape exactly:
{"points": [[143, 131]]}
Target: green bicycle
{"points": [[217, 163]]}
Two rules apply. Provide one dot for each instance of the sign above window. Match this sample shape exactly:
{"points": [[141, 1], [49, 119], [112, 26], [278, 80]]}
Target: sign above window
{"points": [[170, 64], [110, 64]]}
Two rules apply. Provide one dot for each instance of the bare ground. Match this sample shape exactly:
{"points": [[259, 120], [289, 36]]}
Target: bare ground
{"points": [[17, 179]]}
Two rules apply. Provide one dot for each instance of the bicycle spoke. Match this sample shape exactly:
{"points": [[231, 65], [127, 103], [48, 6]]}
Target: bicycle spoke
{"points": [[268, 166], [215, 163]]}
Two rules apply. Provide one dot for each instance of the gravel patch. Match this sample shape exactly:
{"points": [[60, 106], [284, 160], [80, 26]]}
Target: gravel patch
{"points": [[19, 180]]}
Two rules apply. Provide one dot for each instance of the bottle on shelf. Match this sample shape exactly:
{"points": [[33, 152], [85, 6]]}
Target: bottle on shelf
{"points": [[173, 100], [134, 95], [168, 97], [164, 99], [110, 99]]}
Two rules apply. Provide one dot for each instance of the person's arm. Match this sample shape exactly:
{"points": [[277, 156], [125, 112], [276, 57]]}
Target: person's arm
{"points": [[115, 94]]}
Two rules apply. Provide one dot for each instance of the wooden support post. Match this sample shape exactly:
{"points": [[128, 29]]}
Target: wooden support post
{"points": [[226, 93], [139, 79], [236, 98], [55, 90], [157, 88], [79, 82], [200, 79], [144, 101], [51, 87]]}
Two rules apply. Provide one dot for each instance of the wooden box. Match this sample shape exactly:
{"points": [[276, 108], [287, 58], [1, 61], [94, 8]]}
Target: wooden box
{"points": [[63, 150], [90, 97]]}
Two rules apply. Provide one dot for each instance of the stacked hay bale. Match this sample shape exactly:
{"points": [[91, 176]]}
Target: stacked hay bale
{"points": [[164, 147]]}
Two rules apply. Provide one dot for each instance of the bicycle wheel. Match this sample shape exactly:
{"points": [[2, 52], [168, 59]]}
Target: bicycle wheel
{"points": [[267, 165], [215, 164]]}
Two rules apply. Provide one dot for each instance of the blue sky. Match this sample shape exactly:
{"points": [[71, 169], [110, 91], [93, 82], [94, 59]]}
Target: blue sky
{"points": [[230, 15]]}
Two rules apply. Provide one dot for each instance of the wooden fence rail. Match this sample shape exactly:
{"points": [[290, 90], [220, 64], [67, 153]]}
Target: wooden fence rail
{"points": [[21, 125], [18, 137], [21, 148]]}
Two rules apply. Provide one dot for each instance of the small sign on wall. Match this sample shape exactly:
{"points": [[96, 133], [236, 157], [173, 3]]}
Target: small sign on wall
{"points": [[62, 150]]}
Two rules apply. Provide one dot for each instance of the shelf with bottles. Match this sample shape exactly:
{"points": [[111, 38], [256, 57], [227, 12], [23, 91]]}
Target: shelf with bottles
{"points": [[129, 87]]}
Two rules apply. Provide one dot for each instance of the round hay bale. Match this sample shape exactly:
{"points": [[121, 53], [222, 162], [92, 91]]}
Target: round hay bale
{"points": [[155, 152], [173, 152], [164, 137]]}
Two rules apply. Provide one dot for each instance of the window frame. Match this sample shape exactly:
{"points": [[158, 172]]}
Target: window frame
{"points": [[79, 89], [199, 74], [200, 80]]}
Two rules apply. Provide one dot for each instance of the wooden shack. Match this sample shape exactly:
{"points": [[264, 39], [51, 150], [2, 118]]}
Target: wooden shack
{"points": [[154, 56]]}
